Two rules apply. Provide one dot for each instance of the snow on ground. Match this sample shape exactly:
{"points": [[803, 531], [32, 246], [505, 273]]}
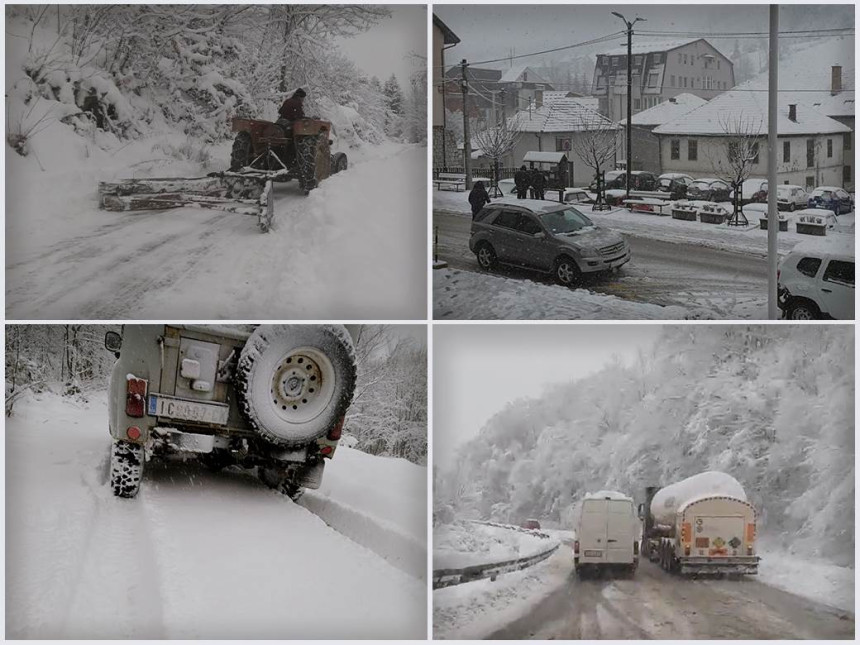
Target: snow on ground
{"points": [[196, 554], [463, 544], [817, 580], [480, 296], [355, 248], [752, 239], [475, 610]]}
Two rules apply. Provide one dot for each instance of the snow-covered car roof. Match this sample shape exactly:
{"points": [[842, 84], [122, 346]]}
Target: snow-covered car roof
{"points": [[673, 175], [833, 245], [830, 188], [534, 205], [710, 180]]}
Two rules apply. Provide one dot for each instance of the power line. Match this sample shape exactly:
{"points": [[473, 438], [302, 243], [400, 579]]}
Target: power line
{"points": [[740, 33], [550, 51]]}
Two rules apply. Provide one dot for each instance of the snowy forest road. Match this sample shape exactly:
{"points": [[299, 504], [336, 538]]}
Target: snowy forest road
{"points": [[656, 605], [343, 252], [196, 554], [710, 282]]}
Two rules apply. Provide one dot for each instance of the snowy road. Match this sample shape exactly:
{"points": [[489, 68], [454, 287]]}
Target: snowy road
{"points": [[709, 282], [196, 554], [344, 252], [655, 605]]}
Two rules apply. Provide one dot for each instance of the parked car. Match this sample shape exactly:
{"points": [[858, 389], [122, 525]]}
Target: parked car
{"points": [[609, 179], [749, 189], [709, 189], [267, 397], [832, 198], [789, 197], [576, 196], [532, 525], [545, 236], [816, 280], [674, 183]]}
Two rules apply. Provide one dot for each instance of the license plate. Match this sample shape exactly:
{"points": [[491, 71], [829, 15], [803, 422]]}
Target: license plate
{"points": [[593, 554], [173, 408]]}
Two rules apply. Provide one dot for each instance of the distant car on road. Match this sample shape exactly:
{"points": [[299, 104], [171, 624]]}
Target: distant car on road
{"points": [[709, 189], [545, 236], [831, 198], [532, 525], [789, 197], [816, 280]]}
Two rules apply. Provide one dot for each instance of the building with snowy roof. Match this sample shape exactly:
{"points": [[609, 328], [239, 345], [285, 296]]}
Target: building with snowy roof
{"points": [[444, 144], [646, 145], [556, 127], [661, 69], [809, 143]]}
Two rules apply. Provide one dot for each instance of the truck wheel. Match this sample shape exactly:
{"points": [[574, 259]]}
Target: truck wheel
{"points": [[306, 160], [240, 156], [295, 382], [126, 468]]}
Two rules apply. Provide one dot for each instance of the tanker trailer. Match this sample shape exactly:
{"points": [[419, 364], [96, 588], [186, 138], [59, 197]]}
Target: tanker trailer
{"points": [[700, 525]]}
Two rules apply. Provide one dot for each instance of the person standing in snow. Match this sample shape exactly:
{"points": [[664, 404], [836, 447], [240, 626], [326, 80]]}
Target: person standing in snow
{"points": [[521, 180], [478, 198], [292, 110], [538, 182]]}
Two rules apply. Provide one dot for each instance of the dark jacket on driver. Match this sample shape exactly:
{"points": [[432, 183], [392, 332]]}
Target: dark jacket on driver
{"points": [[292, 109]]}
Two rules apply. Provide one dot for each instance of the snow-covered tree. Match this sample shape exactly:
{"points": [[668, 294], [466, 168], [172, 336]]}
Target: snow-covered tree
{"points": [[737, 154]]}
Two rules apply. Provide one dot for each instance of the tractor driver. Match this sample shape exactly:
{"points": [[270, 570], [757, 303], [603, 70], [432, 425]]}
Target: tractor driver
{"points": [[292, 110]]}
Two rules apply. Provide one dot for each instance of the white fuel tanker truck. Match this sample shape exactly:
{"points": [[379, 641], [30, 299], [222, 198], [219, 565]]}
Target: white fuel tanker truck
{"points": [[702, 524]]}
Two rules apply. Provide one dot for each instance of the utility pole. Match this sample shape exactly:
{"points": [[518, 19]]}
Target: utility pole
{"points": [[772, 135], [628, 151], [467, 144]]}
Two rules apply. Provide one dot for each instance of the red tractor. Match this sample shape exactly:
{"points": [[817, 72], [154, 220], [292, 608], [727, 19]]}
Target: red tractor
{"points": [[302, 152]]}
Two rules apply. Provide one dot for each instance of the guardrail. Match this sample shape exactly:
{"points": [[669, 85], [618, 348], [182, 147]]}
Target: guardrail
{"points": [[449, 577]]}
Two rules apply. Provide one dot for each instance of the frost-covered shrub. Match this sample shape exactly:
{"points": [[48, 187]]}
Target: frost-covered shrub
{"points": [[188, 150]]}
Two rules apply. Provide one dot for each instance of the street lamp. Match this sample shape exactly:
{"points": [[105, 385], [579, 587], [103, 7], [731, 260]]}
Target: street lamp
{"points": [[629, 26]]}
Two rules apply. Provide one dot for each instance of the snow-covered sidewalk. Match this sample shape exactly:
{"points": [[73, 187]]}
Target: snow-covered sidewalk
{"points": [[196, 554], [479, 296]]}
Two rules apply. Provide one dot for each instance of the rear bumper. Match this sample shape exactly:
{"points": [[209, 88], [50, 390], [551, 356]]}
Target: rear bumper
{"points": [[735, 564]]}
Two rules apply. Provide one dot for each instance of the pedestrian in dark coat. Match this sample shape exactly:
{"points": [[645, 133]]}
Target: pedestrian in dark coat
{"points": [[478, 197], [521, 181], [538, 183]]}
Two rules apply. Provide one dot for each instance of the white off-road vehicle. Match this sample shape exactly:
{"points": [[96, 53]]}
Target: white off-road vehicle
{"points": [[270, 397]]}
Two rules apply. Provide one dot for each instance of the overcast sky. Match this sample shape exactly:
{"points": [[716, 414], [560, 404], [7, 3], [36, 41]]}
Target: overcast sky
{"points": [[477, 369], [385, 49], [493, 31]]}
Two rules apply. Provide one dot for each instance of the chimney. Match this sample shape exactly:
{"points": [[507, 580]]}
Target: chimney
{"points": [[835, 79], [792, 112]]}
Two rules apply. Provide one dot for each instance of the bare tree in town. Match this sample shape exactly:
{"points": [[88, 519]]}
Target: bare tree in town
{"points": [[495, 142], [594, 142], [736, 155]]}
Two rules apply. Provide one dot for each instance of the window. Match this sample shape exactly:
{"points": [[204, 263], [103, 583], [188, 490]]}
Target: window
{"points": [[809, 266], [810, 183], [786, 152], [652, 79], [685, 59], [685, 81], [486, 213], [692, 150], [615, 61], [679, 59], [755, 152], [840, 272], [658, 58], [507, 219], [846, 175], [637, 104], [810, 153], [846, 141], [562, 145], [672, 81], [528, 225], [829, 148], [675, 149], [637, 60]]}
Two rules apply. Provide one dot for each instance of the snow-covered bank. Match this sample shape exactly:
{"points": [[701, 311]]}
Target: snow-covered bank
{"points": [[751, 240], [197, 554], [475, 610], [464, 544], [480, 296], [817, 580], [344, 252]]}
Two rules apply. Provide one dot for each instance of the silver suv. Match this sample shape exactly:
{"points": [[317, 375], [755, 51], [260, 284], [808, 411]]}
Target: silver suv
{"points": [[270, 397], [816, 280], [546, 236]]}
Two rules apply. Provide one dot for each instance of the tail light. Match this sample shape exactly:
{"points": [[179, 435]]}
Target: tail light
{"points": [[133, 433], [336, 431], [135, 396], [325, 451], [750, 533], [687, 549], [576, 546]]}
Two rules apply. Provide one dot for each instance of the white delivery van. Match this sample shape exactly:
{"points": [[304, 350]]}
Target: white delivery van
{"points": [[607, 533]]}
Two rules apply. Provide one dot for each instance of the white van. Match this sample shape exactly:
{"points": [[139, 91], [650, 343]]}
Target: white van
{"points": [[607, 533]]}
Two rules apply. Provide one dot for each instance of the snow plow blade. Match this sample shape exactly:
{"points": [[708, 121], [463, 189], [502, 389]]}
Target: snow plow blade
{"points": [[245, 194]]}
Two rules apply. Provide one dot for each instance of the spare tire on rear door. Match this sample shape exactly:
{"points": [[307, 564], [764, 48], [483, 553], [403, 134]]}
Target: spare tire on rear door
{"points": [[295, 382]]}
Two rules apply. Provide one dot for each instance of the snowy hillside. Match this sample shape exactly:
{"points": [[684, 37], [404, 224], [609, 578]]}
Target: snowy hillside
{"points": [[202, 555], [772, 406]]}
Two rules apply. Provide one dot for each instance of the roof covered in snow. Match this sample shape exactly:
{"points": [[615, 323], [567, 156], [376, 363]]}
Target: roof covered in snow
{"points": [[648, 46], [721, 113], [563, 115], [522, 74], [809, 68], [591, 102], [545, 157], [667, 110], [608, 494]]}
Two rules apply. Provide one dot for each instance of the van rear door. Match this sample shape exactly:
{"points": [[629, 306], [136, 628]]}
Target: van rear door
{"points": [[592, 531], [619, 531]]}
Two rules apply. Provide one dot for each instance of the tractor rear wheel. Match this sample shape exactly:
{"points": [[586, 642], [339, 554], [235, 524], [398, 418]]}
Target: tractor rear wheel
{"points": [[240, 156], [306, 161], [338, 162]]}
